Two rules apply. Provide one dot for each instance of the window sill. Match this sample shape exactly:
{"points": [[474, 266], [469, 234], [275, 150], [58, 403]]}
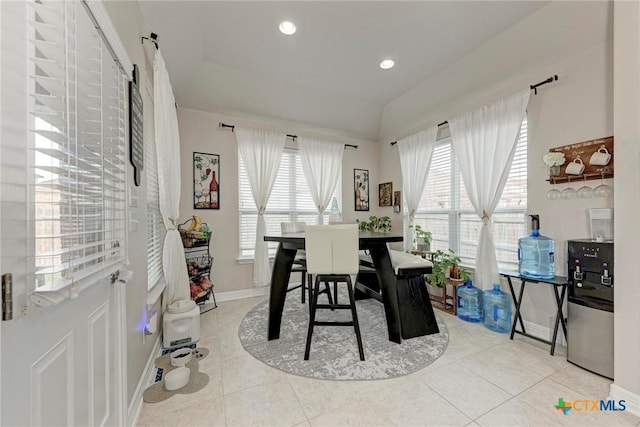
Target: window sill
{"points": [[155, 293], [251, 260]]}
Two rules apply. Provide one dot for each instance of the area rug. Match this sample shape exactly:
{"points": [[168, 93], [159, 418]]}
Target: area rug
{"points": [[334, 351]]}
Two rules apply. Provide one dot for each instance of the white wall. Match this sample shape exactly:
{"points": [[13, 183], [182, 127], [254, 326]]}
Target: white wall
{"points": [[627, 206], [576, 108], [130, 25], [199, 132]]}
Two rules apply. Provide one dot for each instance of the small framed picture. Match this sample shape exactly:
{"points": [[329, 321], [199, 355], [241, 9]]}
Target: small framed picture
{"points": [[385, 194], [361, 189], [397, 201], [206, 181]]}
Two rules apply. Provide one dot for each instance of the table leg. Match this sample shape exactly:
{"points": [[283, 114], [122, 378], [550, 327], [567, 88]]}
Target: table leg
{"points": [[278, 292], [387, 279], [517, 316], [559, 317]]}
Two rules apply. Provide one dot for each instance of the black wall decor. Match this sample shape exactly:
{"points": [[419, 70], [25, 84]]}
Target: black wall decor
{"points": [[136, 140]]}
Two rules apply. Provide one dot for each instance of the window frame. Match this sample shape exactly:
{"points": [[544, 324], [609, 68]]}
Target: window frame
{"points": [[455, 214], [71, 140], [246, 253]]}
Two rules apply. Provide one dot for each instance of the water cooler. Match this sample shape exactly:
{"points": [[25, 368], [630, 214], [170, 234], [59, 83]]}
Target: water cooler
{"points": [[590, 308]]}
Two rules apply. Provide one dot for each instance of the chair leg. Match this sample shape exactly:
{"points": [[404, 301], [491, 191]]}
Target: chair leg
{"points": [[327, 288], [312, 317], [309, 290], [304, 285], [354, 314], [335, 291]]}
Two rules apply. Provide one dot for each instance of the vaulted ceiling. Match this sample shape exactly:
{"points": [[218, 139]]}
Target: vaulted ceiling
{"points": [[229, 57]]}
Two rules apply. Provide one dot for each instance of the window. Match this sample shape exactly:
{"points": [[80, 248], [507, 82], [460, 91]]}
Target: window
{"points": [[77, 161], [155, 224], [446, 211], [290, 201]]}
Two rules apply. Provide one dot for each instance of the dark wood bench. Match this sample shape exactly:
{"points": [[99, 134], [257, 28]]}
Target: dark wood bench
{"points": [[416, 313]]}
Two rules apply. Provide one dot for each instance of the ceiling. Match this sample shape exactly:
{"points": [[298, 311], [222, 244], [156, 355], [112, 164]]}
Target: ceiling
{"points": [[229, 57]]}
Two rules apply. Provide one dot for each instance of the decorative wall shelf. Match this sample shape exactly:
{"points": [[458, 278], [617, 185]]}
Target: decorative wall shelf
{"points": [[584, 151]]}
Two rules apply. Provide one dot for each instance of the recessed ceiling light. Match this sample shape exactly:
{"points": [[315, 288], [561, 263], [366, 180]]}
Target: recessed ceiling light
{"points": [[287, 27], [387, 63]]}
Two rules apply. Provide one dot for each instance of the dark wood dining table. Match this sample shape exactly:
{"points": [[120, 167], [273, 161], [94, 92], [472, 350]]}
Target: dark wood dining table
{"points": [[375, 243]]}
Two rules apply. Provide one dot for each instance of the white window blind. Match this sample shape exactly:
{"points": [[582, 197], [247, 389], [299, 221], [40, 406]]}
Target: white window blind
{"points": [[155, 224], [290, 201], [446, 211], [77, 166]]}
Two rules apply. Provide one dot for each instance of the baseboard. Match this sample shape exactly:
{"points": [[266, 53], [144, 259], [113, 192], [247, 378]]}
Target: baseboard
{"points": [[544, 332], [632, 400], [135, 405], [245, 293]]}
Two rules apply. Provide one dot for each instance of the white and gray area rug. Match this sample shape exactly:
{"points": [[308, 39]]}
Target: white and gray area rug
{"points": [[334, 351]]}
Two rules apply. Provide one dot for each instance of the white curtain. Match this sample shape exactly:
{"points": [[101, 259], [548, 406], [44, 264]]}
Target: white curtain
{"points": [[415, 158], [485, 141], [321, 163], [261, 151], [169, 181]]}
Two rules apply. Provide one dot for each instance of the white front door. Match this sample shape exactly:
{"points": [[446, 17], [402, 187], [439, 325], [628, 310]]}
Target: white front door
{"points": [[60, 364]]}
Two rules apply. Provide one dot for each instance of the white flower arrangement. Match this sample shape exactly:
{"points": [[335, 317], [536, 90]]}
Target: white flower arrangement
{"points": [[554, 158]]}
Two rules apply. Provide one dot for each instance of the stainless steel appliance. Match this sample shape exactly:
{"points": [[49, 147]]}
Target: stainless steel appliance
{"points": [[590, 309]]}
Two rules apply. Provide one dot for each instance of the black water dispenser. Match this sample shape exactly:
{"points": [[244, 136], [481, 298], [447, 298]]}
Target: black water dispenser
{"points": [[590, 308]]}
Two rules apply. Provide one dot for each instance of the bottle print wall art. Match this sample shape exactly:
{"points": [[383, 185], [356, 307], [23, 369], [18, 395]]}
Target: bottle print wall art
{"points": [[206, 181]]}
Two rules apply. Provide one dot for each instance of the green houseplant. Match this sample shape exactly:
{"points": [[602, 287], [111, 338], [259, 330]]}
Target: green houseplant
{"points": [[446, 265], [423, 239], [375, 224]]}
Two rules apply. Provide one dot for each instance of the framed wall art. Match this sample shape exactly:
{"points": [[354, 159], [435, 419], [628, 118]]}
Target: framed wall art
{"points": [[397, 201], [361, 189], [385, 194], [206, 181]]}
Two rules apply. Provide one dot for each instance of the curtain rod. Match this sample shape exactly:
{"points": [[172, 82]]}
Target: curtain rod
{"points": [[294, 137], [533, 87], [153, 38]]}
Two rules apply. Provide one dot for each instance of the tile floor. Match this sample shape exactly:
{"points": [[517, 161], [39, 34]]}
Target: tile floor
{"points": [[482, 379]]}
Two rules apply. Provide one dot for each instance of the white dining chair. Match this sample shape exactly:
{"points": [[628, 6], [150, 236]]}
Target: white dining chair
{"points": [[332, 256], [299, 263]]}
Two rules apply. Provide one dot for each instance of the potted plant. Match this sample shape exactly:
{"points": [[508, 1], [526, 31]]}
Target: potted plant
{"points": [[446, 265], [423, 239], [375, 224], [554, 160]]}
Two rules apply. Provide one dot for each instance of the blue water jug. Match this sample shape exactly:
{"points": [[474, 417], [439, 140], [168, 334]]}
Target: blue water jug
{"points": [[469, 304], [536, 253], [497, 309]]}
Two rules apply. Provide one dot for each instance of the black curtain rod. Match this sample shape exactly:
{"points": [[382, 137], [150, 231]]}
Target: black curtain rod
{"points": [[534, 88], [294, 137], [439, 124], [153, 38]]}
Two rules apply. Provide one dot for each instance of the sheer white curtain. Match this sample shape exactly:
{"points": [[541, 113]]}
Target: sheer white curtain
{"points": [[321, 163], [485, 141], [169, 181], [261, 151], [415, 158]]}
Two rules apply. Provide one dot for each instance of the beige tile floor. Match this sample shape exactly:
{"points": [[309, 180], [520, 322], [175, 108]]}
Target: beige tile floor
{"points": [[482, 379]]}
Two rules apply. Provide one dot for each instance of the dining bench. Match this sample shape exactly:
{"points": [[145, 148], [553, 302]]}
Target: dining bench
{"points": [[416, 313]]}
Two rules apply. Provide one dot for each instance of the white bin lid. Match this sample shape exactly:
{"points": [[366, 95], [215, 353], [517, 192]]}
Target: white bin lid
{"points": [[181, 306]]}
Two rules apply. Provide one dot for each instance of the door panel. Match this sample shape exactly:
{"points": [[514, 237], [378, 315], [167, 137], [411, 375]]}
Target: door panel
{"points": [[57, 365]]}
